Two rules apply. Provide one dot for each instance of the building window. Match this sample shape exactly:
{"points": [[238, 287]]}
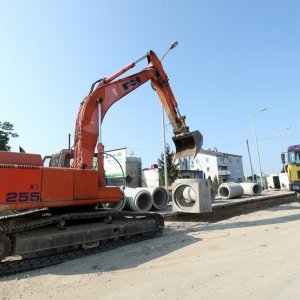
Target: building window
{"points": [[207, 169], [238, 161], [230, 160], [207, 159], [223, 159]]}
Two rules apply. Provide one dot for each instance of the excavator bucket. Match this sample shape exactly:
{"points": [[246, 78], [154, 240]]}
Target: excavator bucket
{"points": [[187, 144]]}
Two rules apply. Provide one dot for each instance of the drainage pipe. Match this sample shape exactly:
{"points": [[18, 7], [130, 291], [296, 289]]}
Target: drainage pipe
{"points": [[138, 199], [251, 188], [116, 206], [230, 190], [159, 195], [189, 194]]}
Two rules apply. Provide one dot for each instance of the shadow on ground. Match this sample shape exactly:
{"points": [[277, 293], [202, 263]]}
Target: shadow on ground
{"points": [[210, 226], [133, 255], [123, 257]]}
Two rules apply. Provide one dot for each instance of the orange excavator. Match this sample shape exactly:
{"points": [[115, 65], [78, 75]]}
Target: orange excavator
{"points": [[51, 210]]}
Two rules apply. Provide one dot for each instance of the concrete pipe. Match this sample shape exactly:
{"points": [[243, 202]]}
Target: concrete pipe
{"points": [[230, 190], [116, 206], [159, 195], [138, 199], [251, 188], [189, 194]]}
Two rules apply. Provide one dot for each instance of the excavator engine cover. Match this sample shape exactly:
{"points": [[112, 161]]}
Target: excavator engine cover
{"points": [[187, 144]]}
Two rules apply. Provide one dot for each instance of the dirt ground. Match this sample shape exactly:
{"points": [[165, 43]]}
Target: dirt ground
{"points": [[253, 256]]}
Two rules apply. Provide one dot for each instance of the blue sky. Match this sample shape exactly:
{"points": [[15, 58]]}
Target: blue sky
{"points": [[233, 58]]}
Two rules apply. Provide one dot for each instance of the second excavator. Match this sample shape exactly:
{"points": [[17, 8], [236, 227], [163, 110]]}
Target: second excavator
{"points": [[51, 210]]}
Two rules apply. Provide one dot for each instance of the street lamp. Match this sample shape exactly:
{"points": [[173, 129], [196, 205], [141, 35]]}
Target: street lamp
{"points": [[250, 161], [260, 171], [172, 46]]}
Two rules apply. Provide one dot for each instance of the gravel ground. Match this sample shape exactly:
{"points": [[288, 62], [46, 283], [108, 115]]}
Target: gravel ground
{"points": [[252, 256]]}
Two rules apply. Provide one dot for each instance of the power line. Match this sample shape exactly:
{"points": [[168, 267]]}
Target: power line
{"points": [[231, 145], [53, 143], [262, 139], [133, 148]]}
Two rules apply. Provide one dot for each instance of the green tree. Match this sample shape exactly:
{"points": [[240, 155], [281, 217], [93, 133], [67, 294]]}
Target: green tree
{"points": [[209, 179], [172, 167], [6, 132], [215, 184]]}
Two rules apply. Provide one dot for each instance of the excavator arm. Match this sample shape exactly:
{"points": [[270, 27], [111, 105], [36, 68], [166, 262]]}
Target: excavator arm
{"points": [[108, 91]]}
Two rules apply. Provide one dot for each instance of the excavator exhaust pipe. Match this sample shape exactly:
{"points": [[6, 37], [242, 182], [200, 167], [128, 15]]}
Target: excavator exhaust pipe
{"points": [[187, 144]]}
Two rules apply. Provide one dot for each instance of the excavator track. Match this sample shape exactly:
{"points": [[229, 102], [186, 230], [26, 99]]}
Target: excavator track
{"points": [[23, 214], [101, 219], [18, 266]]}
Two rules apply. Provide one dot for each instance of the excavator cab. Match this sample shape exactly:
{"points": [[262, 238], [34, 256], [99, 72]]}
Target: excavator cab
{"points": [[187, 144]]}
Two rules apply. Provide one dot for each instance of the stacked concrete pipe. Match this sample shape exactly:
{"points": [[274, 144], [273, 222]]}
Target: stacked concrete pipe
{"points": [[251, 188], [138, 199], [159, 195], [116, 206], [230, 190]]}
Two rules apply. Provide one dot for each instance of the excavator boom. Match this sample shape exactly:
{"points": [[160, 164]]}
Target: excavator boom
{"points": [[109, 90]]}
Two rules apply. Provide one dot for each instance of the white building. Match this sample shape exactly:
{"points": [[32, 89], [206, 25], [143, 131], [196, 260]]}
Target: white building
{"points": [[150, 177], [224, 166]]}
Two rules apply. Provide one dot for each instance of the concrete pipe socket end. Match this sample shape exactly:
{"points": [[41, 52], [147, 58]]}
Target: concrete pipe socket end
{"points": [[230, 190], [251, 188], [116, 206], [257, 189], [143, 202], [138, 200], [185, 197], [160, 198]]}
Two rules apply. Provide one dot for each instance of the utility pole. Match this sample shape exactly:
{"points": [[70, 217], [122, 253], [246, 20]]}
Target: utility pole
{"points": [[164, 145], [250, 161], [69, 141], [257, 149]]}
